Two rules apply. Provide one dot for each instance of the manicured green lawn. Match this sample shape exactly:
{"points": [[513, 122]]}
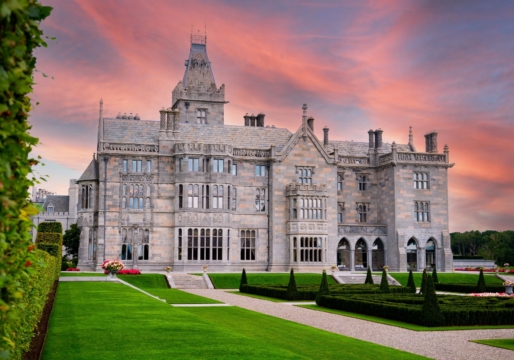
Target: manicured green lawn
{"points": [[78, 273], [401, 324], [231, 281], [156, 285], [109, 320], [455, 278], [501, 343]]}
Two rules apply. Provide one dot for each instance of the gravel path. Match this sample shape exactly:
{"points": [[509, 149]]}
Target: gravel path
{"points": [[434, 344]]}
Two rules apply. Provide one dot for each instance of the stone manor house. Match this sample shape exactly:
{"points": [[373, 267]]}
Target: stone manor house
{"points": [[188, 191]]}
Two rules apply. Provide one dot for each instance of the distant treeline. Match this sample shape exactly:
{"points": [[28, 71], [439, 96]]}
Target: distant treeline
{"points": [[490, 244]]}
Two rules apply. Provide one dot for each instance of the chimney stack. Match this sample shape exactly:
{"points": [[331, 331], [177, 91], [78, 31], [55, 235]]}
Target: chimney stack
{"points": [[260, 120], [378, 138], [431, 142], [325, 136], [247, 119], [371, 139]]}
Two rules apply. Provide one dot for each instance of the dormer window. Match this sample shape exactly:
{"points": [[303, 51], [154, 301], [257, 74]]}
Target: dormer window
{"points": [[50, 208]]}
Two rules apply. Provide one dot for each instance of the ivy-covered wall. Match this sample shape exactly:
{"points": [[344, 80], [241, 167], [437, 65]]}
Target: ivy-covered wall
{"points": [[19, 37]]}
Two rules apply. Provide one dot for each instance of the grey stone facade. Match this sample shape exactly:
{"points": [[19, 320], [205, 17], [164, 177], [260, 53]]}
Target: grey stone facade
{"points": [[188, 191]]}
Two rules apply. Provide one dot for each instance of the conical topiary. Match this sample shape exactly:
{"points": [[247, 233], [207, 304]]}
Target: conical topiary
{"points": [[423, 282], [323, 287], [434, 275], [292, 291], [369, 278], [384, 284], [481, 287], [243, 280], [410, 283], [431, 314]]}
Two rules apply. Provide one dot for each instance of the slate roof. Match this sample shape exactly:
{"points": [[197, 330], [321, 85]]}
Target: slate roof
{"points": [[145, 131], [60, 203], [91, 172]]}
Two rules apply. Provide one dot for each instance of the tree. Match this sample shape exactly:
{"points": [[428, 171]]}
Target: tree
{"points": [[369, 278], [410, 283], [292, 291], [323, 287], [434, 275], [481, 286], [423, 282], [20, 36], [243, 280], [384, 284], [71, 240], [431, 314]]}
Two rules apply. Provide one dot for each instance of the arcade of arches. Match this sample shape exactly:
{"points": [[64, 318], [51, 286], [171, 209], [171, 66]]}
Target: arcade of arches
{"points": [[362, 256]]}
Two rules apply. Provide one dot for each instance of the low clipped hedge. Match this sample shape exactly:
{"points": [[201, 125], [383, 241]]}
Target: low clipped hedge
{"points": [[49, 238], [49, 227], [35, 288], [309, 292], [467, 288], [457, 310]]}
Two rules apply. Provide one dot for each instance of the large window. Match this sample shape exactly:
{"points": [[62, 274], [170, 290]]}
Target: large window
{"points": [[201, 116], [192, 196], [135, 196], [422, 211], [305, 175], [260, 199], [87, 197], [136, 165], [420, 180], [234, 169], [125, 165], [362, 212], [144, 246], [363, 182], [126, 246], [260, 170], [339, 182], [412, 255], [343, 255], [247, 244], [217, 196], [148, 165], [340, 212], [202, 244], [192, 164], [309, 248], [217, 165], [180, 196]]}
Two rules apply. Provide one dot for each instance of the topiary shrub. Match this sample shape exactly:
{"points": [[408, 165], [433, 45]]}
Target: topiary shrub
{"points": [[410, 283], [369, 278], [50, 227], [481, 286], [243, 281], [434, 275], [292, 290], [423, 282], [431, 314], [384, 284], [323, 287]]}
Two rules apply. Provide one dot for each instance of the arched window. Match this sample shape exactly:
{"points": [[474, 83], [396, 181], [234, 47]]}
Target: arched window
{"points": [[412, 254], [343, 255], [90, 200], [430, 253], [144, 247], [126, 247], [136, 203], [361, 255], [363, 180], [377, 255]]}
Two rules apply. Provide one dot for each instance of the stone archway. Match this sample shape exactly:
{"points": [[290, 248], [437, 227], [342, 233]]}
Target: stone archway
{"points": [[377, 255], [430, 256], [343, 255], [361, 255], [412, 254]]}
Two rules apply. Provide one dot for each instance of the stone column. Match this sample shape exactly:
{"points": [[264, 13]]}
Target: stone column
{"points": [[370, 258], [422, 258], [169, 119], [352, 259]]}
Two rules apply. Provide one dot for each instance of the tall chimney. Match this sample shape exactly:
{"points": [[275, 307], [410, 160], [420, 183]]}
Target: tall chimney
{"points": [[260, 120], [378, 138], [325, 136], [431, 141], [163, 119], [169, 119], [252, 120], [247, 119], [310, 122], [371, 139]]}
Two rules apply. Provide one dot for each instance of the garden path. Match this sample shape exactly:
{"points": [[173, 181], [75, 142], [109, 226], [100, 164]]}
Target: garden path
{"points": [[434, 344]]}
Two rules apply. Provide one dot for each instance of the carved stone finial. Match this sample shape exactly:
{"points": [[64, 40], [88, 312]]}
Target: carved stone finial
{"points": [[304, 108]]}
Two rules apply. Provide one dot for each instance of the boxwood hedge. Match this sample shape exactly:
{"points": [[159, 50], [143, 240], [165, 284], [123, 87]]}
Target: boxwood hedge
{"points": [[457, 310], [467, 288], [49, 227]]}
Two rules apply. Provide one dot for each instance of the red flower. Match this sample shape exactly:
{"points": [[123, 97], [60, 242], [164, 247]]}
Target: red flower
{"points": [[28, 263], [31, 247]]}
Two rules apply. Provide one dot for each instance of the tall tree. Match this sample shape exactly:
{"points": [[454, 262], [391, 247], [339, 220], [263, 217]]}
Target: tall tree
{"points": [[71, 240]]}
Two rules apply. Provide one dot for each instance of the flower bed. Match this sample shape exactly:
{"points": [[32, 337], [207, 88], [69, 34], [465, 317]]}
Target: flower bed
{"points": [[129, 272], [507, 271], [491, 294], [72, 269], [457, 310]]}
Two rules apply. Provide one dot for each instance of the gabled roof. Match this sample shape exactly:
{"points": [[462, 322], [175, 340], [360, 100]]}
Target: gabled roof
{"points": [[91, 172], [59, 202], [198, 68]]}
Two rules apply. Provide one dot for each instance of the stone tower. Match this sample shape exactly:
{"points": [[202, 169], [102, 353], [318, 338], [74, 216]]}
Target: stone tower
{"points": [[196, 96]]}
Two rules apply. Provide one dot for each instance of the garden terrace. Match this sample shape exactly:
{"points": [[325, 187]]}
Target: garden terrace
{"points": [[457, 310]]}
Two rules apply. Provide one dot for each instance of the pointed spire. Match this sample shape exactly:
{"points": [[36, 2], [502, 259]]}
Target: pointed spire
{"points": [[411, 140]]}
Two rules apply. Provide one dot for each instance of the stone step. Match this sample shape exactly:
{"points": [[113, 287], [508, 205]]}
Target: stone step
{"points": [[185, 281]]}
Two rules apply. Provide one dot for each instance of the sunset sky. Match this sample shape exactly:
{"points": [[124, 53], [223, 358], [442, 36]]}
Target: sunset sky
{"points": [[436, 65]]}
